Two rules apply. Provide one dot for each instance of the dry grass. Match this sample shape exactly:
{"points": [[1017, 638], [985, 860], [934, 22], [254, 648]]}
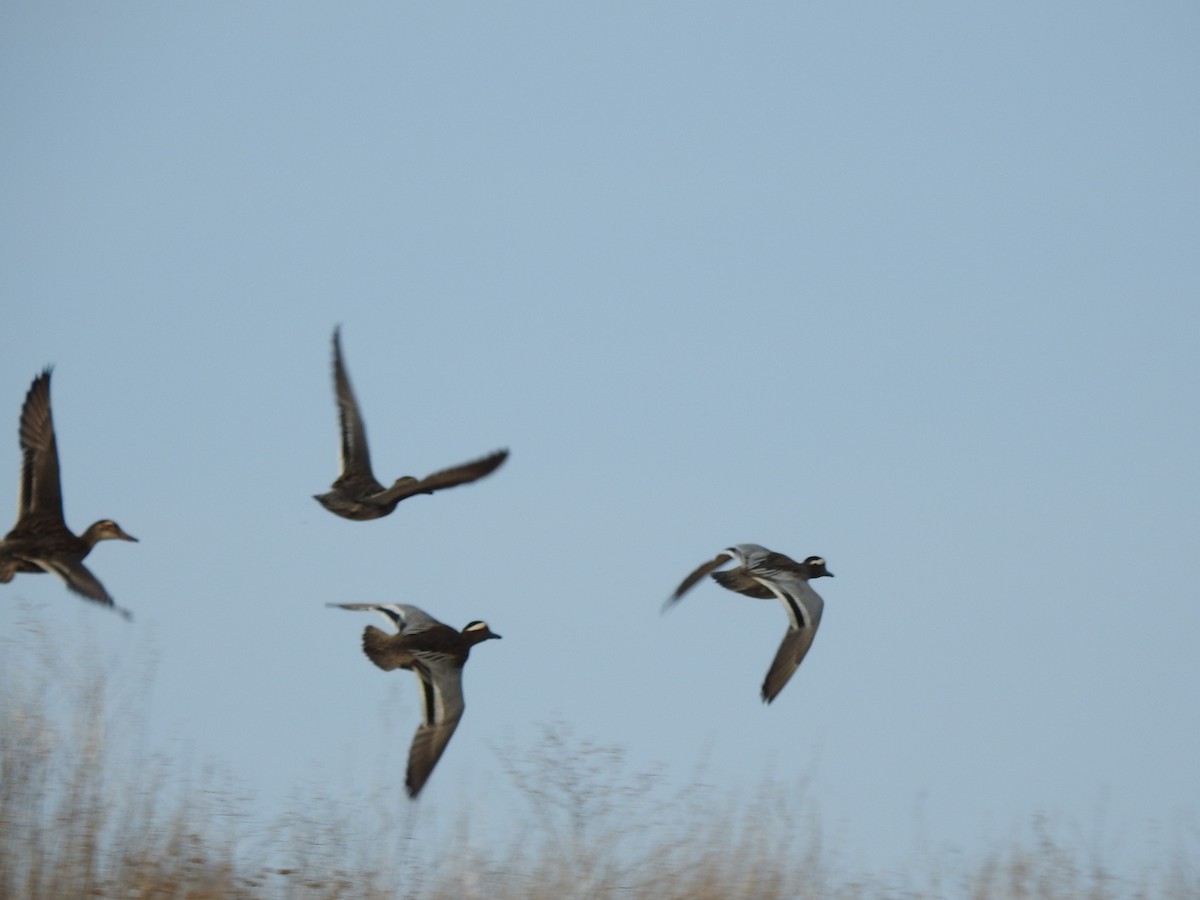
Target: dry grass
{"points": [[85, 811]]}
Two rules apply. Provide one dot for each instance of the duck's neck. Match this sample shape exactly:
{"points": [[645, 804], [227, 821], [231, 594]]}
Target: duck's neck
{"points": [[94, 534]]}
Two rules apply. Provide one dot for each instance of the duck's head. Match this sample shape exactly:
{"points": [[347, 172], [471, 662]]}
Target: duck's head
{"points": [[106, 530], [816, 567], [478, 631]]}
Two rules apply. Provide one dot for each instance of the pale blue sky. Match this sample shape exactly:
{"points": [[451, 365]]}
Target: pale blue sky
{"points": [[910, 286]]}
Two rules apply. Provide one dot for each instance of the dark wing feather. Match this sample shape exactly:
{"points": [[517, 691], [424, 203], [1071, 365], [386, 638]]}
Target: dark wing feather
{"points": [[688, 583], [356, 459], [787, 659], [41, 492], [446, 478], [79, 579], [428, 744], [442, 704]]}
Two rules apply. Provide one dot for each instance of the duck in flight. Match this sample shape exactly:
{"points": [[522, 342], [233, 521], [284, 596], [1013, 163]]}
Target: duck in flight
{"points": [[765, 574], [356, 494], [437, 654], [40, 541]]}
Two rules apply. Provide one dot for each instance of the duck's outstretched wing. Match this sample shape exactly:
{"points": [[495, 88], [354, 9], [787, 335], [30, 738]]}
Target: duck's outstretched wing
{"points": [[788, 657], [79, 579], [446, 478], [406, 618], [40, 491], [804, 607], [440, 682], [356, 458], [688, 583]]}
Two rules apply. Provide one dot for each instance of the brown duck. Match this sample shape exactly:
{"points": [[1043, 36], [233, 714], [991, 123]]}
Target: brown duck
{"points": [[357, 494], [40, 541]]}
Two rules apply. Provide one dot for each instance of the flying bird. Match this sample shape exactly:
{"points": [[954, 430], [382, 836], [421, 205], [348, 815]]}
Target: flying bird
{"points": [[765, 574], [356, 494], [40, 540], [437, 654]]}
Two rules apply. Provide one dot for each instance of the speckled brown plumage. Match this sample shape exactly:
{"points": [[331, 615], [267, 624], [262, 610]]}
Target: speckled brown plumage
{"points": [[40, 541]]}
